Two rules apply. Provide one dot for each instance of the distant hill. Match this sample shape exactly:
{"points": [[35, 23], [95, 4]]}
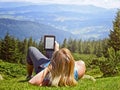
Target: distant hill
{"points": [[26, 29], [84, 21]]}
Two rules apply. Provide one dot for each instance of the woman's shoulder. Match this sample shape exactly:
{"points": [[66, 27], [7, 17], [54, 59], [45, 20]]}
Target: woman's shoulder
{"points": [[81, 68]]}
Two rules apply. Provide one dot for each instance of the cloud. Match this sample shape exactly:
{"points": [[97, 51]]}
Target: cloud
{"points": [[100, 3]]}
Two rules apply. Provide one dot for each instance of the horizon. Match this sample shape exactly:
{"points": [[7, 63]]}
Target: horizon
{"points": [[108, 4]]}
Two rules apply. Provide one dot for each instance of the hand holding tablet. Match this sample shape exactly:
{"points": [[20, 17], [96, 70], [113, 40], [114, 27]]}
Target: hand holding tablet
{"points": [[49, 45]]}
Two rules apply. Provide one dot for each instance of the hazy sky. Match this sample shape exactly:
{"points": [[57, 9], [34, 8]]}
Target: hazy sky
{"points": [[100, 3]]}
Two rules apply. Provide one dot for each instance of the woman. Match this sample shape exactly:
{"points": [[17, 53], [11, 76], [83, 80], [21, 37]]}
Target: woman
{"points": [[61, 70]]}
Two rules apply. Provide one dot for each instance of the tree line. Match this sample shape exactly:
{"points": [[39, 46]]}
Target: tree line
{"points": [[96, 47], [15, 50]]}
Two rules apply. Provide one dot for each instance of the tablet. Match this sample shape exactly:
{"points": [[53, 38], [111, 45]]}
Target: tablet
{"points": [[49, 42]]}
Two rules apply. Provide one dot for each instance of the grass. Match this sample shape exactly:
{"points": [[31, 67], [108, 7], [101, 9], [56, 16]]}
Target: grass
{"points": [[110, 83], [14, 79]]}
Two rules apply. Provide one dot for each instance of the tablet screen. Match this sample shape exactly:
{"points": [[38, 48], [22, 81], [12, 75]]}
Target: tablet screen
{"points": [[49, 42]]}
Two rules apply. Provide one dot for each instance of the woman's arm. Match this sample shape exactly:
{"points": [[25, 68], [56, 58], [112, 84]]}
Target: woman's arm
{"points": [[38, 78]]}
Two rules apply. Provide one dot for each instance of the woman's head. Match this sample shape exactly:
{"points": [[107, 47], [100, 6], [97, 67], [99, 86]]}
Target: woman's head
{"points": [[62, 71]]}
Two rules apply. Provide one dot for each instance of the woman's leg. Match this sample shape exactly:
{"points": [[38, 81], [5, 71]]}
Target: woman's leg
{"points": [[35, 58], [29, 70]]}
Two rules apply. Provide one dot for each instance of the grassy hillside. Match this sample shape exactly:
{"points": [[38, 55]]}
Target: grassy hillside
{"points": [[14, 79]]}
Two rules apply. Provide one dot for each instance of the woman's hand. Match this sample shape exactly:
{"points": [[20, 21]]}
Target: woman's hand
{"points": [[56, 46]]}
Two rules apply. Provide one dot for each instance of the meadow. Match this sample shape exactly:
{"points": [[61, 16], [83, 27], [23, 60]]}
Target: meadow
{"points": [[14, 79]]}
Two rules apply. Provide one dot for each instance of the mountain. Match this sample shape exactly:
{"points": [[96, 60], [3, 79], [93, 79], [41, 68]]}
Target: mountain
{"points": [[84, 21], [26, 29]]}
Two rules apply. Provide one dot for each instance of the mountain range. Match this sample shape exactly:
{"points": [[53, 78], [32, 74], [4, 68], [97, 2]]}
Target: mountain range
{"points": [[77, 21], [27, 29]]}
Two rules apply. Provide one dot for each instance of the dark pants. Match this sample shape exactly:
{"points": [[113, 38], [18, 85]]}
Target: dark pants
{"points": [[36, 58]]}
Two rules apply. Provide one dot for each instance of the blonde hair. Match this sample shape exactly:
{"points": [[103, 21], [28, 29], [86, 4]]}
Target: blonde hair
{"points": [[62, 69]]}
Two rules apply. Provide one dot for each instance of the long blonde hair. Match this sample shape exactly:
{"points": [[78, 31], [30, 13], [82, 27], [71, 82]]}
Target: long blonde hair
{"points": [[62, 69]]}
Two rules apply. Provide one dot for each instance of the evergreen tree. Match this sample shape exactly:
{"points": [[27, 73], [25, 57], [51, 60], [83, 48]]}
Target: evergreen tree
{"points": [[114, 37], [75, 46], [105, 47], [72, 45], [64, 45], [80, 49], [41, 46], [34, 44], [23, 47], [87, 49], [110, 66], [6, 48], [99, 49], [30, 42], [70, 41], [9, 49], [15, 54]]}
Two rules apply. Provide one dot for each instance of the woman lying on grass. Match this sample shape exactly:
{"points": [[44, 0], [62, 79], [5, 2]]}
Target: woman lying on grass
{"points": [[61, 70]]}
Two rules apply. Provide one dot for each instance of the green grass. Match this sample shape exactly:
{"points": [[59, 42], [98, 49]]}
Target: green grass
{"points": [[14, 79], [111, 83]]}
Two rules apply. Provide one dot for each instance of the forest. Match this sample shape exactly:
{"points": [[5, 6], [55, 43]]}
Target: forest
{"points": [[106, 51]]}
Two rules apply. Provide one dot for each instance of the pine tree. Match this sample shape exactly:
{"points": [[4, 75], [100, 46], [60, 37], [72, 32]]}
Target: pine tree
{"points": [[70, 41], [30, 42], [23, 47], [114, 36], [15, 54], [80, 49], [87, 49], [34, 43], [9, 49], [6, 48], [110, 65], [64, 45], [99, 49], [41, 46], [105, 47], [74, 46]]}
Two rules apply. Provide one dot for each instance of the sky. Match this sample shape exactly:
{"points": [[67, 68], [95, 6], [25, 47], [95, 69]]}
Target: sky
{"points": [[100, 3]]}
